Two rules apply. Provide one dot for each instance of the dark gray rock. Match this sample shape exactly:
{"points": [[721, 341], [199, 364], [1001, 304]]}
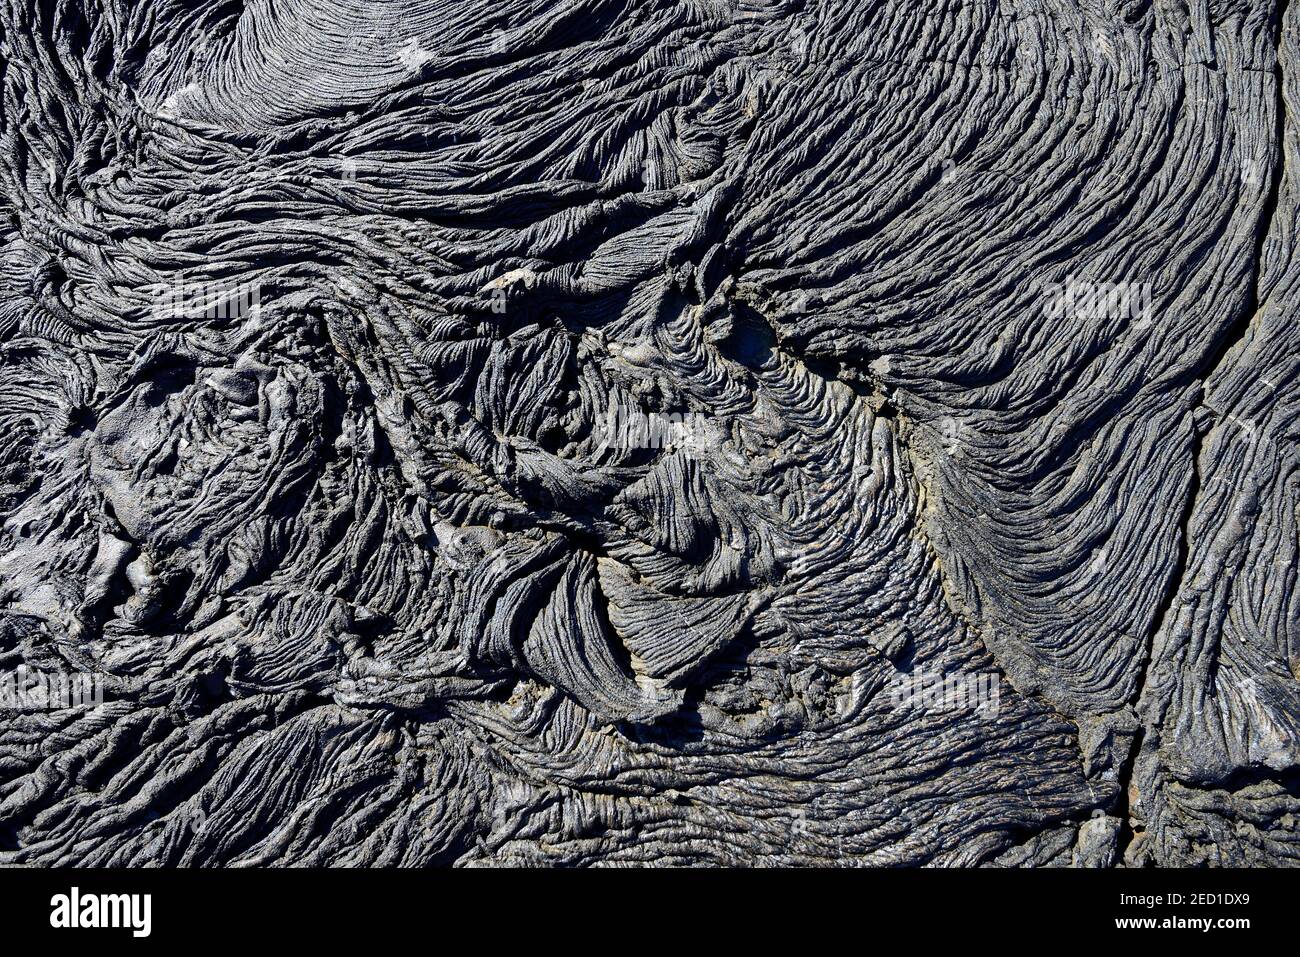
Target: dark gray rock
{"points": [[701, 432]]}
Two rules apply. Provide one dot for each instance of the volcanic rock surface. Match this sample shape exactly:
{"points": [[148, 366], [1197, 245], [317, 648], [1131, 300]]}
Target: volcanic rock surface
{"points": [[330, 332]]}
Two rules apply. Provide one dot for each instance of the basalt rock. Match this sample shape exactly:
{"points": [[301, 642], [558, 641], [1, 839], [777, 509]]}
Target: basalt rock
{"points": [[569, 432]]}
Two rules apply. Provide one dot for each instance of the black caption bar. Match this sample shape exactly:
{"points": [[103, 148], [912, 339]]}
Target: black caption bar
{"points": [[141, 908]]}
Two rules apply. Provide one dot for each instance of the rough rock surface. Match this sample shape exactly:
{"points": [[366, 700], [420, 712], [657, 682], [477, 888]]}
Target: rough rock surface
{"points": [[364, 574]]}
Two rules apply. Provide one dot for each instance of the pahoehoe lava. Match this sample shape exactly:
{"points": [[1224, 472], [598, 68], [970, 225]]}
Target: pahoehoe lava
{"points": [[671, 432]]}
